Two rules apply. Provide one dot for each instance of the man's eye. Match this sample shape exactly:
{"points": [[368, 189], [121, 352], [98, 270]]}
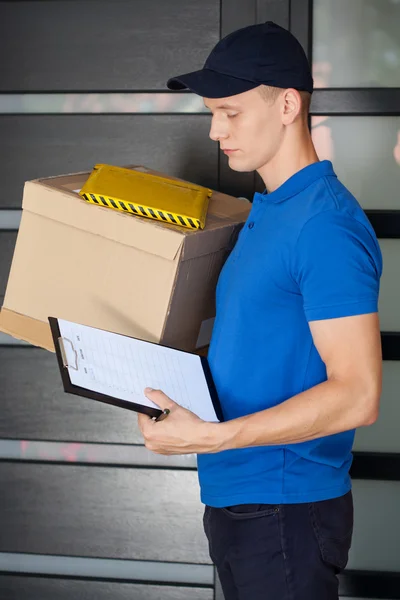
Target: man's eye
{"points": [[232, 115]]}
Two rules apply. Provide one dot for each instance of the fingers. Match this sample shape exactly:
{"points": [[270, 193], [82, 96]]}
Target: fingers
{"points": [[159, 398]]}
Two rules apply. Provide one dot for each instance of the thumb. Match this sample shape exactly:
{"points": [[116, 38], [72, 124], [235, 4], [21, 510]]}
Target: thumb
{"points": [[159, 398]]}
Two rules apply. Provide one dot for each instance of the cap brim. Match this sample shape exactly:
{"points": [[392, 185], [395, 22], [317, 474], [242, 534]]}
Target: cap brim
{"points": [[210, 84]]}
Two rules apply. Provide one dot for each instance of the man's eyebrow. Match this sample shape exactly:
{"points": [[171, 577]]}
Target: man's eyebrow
{"points": [[226, 106]]}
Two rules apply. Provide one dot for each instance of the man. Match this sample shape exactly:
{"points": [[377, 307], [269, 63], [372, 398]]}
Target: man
{"points": [[295, 351]]}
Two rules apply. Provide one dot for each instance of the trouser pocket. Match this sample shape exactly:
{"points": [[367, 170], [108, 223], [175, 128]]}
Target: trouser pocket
{"points": [[249, 511], [332, 522]]}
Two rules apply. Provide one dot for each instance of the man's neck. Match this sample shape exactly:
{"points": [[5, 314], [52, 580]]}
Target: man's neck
{"points": [[294, 155]]}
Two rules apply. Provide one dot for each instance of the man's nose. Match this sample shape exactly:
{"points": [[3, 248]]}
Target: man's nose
{"points": [[217, 131]]}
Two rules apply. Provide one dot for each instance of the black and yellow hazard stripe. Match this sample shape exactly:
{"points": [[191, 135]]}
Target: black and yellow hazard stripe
{"points": [[143, 211]]}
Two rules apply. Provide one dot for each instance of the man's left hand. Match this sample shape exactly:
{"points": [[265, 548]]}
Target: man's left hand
{"points": [[181, 432]]}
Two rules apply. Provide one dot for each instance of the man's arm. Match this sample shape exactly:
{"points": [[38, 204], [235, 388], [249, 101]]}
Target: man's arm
{"points": [[350, 347]]}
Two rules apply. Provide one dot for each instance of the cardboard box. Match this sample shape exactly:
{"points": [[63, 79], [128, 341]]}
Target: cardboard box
{"points": [[112, 270]]}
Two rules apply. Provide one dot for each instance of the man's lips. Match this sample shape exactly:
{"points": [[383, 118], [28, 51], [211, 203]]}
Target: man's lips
{"points": [[228, 150]]}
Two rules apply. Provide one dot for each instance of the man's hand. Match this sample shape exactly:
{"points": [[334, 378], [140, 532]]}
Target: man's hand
{"points": [[181, 432]]}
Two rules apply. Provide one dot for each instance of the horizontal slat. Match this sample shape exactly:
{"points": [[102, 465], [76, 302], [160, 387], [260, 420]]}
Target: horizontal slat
{"points": [[142, 103], [390, 345], [386, 223], [366, 465], [356, 585], [372, 101], [93, 454], [371, 585], [41, 146], [8, 340], [106, 568], [47, 588], [126, 45], [101, 512], [376, 465], [10, 219]]}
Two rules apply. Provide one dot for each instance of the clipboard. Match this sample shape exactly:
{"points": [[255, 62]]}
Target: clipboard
{"points": [[61, 344]]}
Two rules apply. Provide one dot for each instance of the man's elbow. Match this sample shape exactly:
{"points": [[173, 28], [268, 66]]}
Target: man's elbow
{"points": [[370, 418], [369, 407]]}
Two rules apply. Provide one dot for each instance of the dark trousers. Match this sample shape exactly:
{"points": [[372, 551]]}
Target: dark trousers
{"points": [[280, 552]]}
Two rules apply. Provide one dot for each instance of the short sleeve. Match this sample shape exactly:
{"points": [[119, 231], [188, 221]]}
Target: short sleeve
{"points": [[337, 266]]}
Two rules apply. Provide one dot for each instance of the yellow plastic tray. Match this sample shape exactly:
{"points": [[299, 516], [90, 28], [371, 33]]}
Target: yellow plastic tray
{"points": [[147, 195]]}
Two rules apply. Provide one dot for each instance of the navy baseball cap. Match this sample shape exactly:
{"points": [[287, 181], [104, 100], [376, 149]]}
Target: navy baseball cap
{"points": [[264, 54]]}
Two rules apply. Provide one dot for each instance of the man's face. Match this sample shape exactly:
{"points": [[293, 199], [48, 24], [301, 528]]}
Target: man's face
{"points": [[248, 128]]}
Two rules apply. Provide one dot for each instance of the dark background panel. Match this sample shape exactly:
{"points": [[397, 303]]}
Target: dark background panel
{"points": [[274, 10], [370, 584], [236, 14], [40, 146], [240, 13], [41, 588], [386, 223], [383, 466], [101, 512], [7, 245], [35, 406], [390, 345], [103, 44], [360, 102]]}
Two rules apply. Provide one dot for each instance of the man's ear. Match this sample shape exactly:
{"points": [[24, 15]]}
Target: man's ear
{"points": [[291, 105]]}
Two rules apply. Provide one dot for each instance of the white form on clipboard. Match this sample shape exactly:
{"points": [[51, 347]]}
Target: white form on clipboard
{"points": [[121, 367]]}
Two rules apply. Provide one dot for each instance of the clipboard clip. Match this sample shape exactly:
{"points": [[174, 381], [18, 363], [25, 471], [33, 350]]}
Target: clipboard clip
{"points": [[61, 341]]}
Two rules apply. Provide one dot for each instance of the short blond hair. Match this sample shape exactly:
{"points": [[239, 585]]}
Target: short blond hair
{"points": [[270, 94]]}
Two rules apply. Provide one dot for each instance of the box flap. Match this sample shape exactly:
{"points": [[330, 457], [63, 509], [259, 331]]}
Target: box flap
{"points": [[26, 328], [66, 206]]}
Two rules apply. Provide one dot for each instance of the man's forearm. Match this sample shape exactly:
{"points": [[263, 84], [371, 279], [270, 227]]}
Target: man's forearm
{"points": [[328, 408]]}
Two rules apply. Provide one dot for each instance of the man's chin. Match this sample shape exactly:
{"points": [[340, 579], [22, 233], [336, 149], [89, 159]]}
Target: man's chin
{"points": [[240, 168], [236, 164]]}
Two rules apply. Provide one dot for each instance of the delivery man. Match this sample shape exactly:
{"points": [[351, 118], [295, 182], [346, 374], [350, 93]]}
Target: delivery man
{"points": [[295, 351]]}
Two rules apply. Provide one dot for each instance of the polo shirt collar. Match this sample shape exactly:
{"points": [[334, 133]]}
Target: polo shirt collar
{"points": [[297, 182]]}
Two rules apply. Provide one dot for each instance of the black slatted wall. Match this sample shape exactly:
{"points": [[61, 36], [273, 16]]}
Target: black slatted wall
{"points": [[85, 511]]}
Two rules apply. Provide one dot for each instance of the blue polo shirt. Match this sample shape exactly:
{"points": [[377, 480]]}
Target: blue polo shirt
{"points": [[306, 252]]}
